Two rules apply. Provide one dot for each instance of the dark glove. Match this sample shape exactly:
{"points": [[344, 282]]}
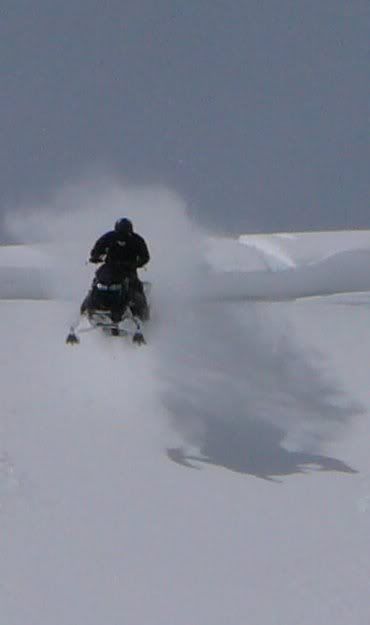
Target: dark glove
{"points": [[141, 262], [96, 259]]}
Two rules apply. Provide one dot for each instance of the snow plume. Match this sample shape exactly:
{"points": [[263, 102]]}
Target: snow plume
{"points": [[68, 225], [234, 379]]}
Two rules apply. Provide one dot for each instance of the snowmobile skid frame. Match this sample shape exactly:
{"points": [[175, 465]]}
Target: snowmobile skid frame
{"points": [[101, 319], [111, 312]]}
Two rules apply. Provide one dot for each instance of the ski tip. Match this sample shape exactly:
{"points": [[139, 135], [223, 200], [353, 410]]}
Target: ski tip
{"points": [[72, 339], [138, 339]]}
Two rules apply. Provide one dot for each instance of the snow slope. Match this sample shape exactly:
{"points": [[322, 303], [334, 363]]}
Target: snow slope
{"points": [[220, 475]]}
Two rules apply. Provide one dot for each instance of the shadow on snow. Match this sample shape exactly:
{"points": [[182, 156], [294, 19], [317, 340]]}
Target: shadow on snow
{"points": [[244, 394], [254, 449]]}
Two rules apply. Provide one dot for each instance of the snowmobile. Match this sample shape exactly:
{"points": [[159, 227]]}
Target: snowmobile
{"points": [[110, 305]]}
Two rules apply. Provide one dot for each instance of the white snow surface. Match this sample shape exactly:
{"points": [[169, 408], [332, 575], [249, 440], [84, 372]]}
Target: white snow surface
{"points": [[219, 475]]}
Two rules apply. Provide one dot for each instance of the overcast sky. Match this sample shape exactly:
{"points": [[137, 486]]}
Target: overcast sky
{"points": [[255, 111]]}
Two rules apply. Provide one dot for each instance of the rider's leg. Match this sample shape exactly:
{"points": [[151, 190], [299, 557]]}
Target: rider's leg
{"points": [[140, 306]]}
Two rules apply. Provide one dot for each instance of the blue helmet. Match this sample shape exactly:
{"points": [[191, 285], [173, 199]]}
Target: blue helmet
{"points": [[123, 227]]}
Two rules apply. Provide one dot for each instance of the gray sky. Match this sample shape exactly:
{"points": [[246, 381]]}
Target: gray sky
{"points": [[255, 111]]}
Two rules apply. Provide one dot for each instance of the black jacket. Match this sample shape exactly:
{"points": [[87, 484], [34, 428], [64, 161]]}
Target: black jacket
{"points": [[133, 250]]}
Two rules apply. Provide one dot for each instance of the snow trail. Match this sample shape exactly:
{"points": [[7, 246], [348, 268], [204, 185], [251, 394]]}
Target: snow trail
{"points": [[216, 362]]}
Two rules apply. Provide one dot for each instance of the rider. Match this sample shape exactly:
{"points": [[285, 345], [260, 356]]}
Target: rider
{"points": [[126, 251]]}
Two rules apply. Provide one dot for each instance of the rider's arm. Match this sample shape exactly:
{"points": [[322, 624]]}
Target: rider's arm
{"points": [[143, 255], [101, 247]]}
